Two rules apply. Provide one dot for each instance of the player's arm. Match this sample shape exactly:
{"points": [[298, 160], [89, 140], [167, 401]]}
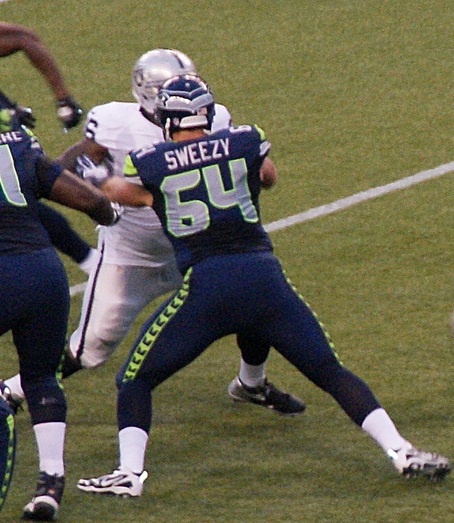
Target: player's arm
{"points": [[119, 190], [268, 173], [71, 191], [97, 153], [14, 38]]}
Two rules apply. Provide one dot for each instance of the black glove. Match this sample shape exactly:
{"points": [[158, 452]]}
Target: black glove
{"points": [[69, 112], [25, 116]]}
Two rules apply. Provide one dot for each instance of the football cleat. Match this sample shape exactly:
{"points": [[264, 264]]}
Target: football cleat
{"points": [[411, 462], [121, 482], [14, 401], [267, 396], [45, 504]]}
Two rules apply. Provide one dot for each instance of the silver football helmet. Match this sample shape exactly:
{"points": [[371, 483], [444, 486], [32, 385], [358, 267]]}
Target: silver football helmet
{"points": [[152, 69]]}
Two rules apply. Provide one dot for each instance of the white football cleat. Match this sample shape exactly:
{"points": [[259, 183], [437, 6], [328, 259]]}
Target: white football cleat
{"points": [[121, 482], [411, 462]]}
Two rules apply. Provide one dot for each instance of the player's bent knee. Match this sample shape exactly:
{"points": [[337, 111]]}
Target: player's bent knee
{"points": [[92, 351], [45, 399], [95, 358]]}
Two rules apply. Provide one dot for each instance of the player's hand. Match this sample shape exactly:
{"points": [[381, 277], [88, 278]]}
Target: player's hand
{"points": [[69, 112], [25, 116], [88, 170]]}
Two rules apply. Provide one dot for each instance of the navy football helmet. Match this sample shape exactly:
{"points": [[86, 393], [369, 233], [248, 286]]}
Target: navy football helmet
{"points": [[184, 102]]}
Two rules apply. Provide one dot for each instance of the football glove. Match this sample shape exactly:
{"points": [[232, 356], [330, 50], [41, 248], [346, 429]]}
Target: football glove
{"points": [[69, 112], [88, 170], [25, 116]]}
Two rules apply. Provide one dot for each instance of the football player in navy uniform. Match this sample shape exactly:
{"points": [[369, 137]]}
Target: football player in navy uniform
{"points": [[136, 263], [205, 189], [35, 296], [16, 38]]}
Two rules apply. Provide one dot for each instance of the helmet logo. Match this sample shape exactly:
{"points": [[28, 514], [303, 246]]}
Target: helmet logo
{"points": [[164, 97]]}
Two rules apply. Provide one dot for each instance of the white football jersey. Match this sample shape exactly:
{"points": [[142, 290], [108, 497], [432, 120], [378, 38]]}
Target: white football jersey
{"points": [[138, 238]]}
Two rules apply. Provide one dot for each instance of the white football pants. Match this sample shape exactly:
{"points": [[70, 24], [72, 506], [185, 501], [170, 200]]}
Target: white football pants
{"points": [[113, 298]]}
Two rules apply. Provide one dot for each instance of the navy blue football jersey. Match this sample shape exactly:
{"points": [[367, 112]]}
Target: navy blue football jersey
{"points": [[205, 192], [25, 176]]}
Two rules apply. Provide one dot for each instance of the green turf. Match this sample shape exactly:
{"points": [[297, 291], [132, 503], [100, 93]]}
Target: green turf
{"points": [[352, 95]]}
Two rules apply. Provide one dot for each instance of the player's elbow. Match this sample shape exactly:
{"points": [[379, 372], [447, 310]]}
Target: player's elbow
{"points": [[268, 174]]}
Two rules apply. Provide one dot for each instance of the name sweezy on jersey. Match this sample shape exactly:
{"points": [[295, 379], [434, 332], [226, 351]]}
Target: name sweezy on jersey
{"points": [[197, 153]]}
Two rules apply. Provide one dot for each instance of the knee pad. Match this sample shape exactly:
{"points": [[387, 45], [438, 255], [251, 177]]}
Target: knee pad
{"points": [[45, 399]]}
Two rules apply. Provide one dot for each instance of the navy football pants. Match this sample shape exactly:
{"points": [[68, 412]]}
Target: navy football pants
{"points": [[246, 294], [35, 307]]}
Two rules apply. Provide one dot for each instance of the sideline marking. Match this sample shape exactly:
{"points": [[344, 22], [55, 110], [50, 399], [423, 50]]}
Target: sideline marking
{"points": [[341, 204]]}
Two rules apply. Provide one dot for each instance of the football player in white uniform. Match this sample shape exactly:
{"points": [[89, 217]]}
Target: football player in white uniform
{"points": [[136, 262]]}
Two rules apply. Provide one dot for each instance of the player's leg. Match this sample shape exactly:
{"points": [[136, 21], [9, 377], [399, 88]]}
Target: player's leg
{"points": [[39, 336], [152, 360], [113, 298], [299, 336], [66, 239], [252, 386], [7, 448]]}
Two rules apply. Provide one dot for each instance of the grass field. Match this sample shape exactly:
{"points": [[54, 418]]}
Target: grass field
{"points": [[352, 95]]}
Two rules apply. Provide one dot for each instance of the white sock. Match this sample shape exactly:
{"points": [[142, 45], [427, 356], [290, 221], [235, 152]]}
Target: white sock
{"points": [[381, 428], [50, 438], [14, 385], [133, 443], [252, 375]]}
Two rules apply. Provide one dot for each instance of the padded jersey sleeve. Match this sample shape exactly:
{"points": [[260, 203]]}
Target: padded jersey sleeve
{"points": [[105, 125], [130, 171], [47, 172], [97, 126], [265, 145], [222, 118]]}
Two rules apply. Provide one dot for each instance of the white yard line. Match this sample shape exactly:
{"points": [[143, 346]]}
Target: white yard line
{"points": [[359, 197], [341, 204], [77, 289]]}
